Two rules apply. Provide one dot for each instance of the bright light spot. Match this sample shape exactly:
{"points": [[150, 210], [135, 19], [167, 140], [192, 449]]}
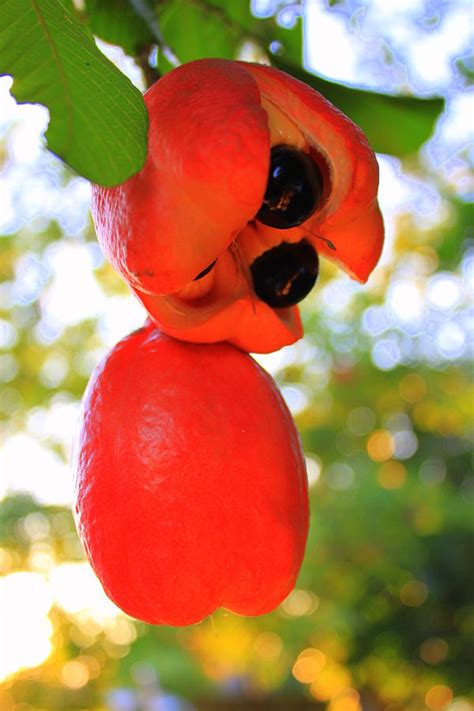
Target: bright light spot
{"points": [[76, 589], [74, 674], [400, 192], [7, 212], [25, 143], [313, 468], [444, 291], [9, 105], [332, 680], [6, 561], [392, 475], [41, 558], [121, 631], [380, 446], [26, 629], [386, 354], [414, 593], [74, 294], [324, 31], [468, 271], [459, 704], [299, 603], [346, 700], [121, 60], [338, 295], [8, 334], [405, 443], [287, 17], [451, 340], [262, 8], [308, 665], [295, 397], [36, 526], [122, 700], [438, 697], [276, 361], [431, 55], [339, 476], [30, 277], [397, 11], [57, 423], [8, 367], [122, 315], [28, 466], [432, 66], [54, 370], [375, 320], [406, 301]]}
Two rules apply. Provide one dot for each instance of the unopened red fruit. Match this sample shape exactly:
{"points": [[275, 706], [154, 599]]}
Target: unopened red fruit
{"points": [[191, 488]]}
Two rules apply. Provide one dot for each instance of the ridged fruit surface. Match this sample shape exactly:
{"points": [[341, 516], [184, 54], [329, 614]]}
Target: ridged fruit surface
{"points": [[190, 482]]}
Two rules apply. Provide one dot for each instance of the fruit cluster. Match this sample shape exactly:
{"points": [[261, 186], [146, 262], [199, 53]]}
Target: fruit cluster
{"points": [[191, 488]]}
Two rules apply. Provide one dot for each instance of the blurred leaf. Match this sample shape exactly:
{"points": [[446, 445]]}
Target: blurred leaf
{"points": [[263, 31], [465, 67], [397, 125], [116, 21], [98, 118], [456, 234], [195, 31], [237, 12], [291, 40]]}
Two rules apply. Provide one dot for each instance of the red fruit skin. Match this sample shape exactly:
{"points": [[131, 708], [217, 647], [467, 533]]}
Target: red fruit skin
{"points": [[190, 482]]}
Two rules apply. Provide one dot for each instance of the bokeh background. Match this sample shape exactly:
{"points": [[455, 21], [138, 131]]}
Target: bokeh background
{"points": [[380, 387]]}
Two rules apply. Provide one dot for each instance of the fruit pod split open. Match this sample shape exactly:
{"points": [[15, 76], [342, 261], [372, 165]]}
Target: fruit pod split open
{"points": [[190, 482], [250, 177]]}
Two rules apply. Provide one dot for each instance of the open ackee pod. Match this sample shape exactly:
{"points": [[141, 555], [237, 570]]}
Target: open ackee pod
{"points": [[250, 175]]}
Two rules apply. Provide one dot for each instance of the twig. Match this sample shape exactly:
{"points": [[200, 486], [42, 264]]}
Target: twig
{"points": [[150, 72], [144, 11]]}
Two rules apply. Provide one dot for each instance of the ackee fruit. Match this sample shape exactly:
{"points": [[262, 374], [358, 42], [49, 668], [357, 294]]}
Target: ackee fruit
{"points": [[190, 482], [246, 166]]}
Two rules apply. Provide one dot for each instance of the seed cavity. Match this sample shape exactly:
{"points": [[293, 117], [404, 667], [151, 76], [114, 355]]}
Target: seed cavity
{"points": [[294, 188], [284, 275]]}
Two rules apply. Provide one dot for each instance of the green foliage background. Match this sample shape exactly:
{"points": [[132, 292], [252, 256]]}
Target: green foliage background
{"points": [[385, 590]]}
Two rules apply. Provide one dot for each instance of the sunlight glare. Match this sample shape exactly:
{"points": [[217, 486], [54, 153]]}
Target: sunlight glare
{"points": [[26, 629], [76, 589]]}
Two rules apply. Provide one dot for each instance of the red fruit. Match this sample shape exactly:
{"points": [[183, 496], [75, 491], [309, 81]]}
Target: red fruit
{"points": [[198, 198], [191, 489]]}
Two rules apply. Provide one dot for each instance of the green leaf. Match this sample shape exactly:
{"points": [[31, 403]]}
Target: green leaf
{"points": [[237, 11], [195, 30], [262, 31], [116, 21], [98, 119], [397, 125], [456, 235]]}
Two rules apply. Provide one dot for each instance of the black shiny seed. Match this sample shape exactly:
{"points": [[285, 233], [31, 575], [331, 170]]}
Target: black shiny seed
{"points": [[294, 188], [284, 275], [205, 271]]}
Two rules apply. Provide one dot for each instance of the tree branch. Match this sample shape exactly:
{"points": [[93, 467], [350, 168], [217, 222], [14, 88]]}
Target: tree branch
{"points": [[143, 10]]}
